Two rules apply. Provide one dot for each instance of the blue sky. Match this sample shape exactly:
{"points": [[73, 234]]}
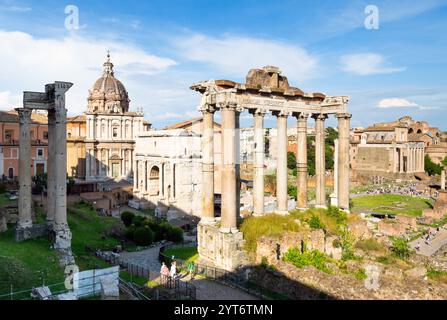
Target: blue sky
{"points": [[161, 48]]}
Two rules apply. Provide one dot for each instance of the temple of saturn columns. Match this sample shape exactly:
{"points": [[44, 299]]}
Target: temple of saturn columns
{"points": [[265, 91], [53, 101]]}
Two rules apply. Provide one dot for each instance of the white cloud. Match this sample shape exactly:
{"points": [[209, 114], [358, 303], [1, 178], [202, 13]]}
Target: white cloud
{"points": [[5, 100], [28, 63], [16, 8], [366, 64], [396, 103], [234, 55], [402, 103]]}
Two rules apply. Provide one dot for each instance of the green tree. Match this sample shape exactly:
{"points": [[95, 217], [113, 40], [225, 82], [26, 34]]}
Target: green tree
{"points": [[291, 160], [444, 163], [432, 168]]}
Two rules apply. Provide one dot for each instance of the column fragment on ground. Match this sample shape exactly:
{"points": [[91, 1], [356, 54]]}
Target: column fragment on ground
{"points": [[208, 165], [258, 164], [443, 180], [229, 201], [281, 170], [25, 214], [301, 161], [343, 160], [320, 166]]}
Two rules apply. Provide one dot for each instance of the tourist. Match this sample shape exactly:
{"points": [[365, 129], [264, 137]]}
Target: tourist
{"points": [[173, 272], [191, 267], [164, 270]]}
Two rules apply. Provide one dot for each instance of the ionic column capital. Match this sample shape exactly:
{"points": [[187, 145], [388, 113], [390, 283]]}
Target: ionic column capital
{"points": [[260, 112], [231, 106], [345, 115], [320, 116], [208, 108], [282, 114], [301, 116], [24, 115]]}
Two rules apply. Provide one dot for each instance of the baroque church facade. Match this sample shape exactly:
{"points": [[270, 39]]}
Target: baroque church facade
{"points": [[111, 129]]}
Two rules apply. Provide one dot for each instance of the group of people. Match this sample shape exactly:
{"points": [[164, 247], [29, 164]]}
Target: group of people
{"points": [[409, 190], [166, 272]]}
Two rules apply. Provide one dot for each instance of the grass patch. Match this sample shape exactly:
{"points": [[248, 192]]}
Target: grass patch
{"points": [[370, 245], [308, 258], [4, 200], [360, 274], [437, 275], [271, 225], [27, 264], [391, 204], [331, 220], [187, 254]]}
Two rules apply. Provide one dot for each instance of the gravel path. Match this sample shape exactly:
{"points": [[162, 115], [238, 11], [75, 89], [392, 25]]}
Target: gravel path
{"points": [[433, 246], [146, 258], [211, 290]]}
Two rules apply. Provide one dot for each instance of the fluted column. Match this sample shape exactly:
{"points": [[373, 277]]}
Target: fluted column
{"points": [[281, 170], [25, 214], [51, 172], [208, 165], [343, 160], [258, 163], [320, 165], [229, 179], [301, 161]]}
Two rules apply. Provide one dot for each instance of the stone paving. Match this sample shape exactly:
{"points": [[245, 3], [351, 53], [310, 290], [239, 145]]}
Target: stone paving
{"points": [[145, 258], [433, 246]]}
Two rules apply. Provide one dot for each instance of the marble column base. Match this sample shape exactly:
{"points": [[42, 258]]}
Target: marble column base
{"points": [[282, 212], [208, 221], [320, 206]]}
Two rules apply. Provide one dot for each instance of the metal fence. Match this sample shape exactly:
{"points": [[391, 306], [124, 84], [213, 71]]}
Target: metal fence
{"points": [[54, 290], [182, 290], [236, 279]]}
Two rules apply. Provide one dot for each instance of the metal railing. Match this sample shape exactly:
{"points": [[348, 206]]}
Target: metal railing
{"points": [[236, 279], [55, 290], [183, 290]]}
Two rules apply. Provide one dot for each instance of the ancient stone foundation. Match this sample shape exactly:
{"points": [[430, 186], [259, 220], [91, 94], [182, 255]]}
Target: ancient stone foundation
{"points": [[222, 250], [33, 232]]}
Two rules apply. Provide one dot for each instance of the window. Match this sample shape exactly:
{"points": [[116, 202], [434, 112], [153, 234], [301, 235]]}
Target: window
{"points": [[11, 173], [40, 152], [9, 134], [115, 132], [45, 135]]}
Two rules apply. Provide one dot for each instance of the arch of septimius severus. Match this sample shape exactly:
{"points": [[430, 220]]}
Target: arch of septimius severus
{"points": [[265, 91], [52, 101]]}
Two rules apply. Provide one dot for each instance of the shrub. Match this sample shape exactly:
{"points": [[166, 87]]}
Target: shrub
{"points": [[308, 258], [138, 221], [127, 218], [401, 248], [292, 191], [360, 274], [129, 233], [143, 236], [339, 215], [315, 222], [175, 234], [2, 188]]}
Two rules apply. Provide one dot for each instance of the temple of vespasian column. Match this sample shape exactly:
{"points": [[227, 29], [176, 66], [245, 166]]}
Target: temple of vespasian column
{"points": [[53, 101], [265, 91]]}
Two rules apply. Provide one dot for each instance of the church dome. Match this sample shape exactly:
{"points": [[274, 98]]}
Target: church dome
{"points": [[108, 94]]}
